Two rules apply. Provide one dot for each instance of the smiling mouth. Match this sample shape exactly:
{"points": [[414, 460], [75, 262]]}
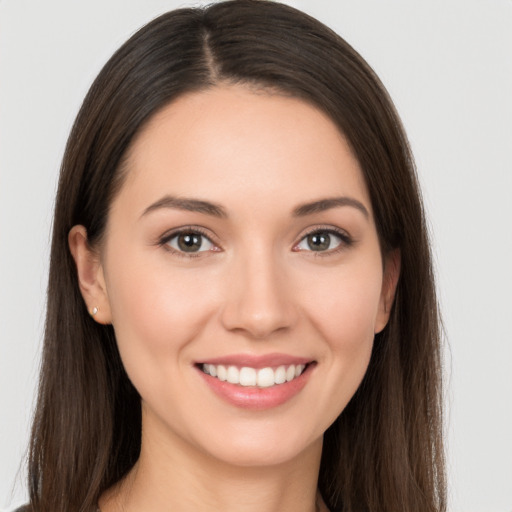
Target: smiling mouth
{"points": [[255, 377]]}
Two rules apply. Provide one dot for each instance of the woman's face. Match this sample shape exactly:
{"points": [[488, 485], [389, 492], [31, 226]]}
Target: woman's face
{"points": [[241, 252]]}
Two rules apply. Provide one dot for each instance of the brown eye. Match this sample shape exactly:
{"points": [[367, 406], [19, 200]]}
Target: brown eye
{"points": [[322, 241], [319, 241], [190, 242]]}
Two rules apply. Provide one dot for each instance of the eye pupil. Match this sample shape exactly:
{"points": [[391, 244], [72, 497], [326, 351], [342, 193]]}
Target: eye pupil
{"points": [[189, 242], [319, 241]]}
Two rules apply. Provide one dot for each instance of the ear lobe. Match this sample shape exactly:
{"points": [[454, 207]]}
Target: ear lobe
{"points": [[90, 275], [390, 278]]}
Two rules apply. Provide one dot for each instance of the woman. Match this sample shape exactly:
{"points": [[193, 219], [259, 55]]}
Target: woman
{"points": [[241, 310]]}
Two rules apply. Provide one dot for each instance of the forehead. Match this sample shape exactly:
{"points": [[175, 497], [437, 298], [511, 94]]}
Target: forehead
{"points": [[231, 144]]}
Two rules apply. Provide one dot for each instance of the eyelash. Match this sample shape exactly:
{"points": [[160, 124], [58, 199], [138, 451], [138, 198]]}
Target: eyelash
{"points": [[346, 240], [192, 230]]}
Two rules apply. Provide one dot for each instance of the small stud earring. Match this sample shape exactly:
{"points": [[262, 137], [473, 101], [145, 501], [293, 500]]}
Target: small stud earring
{"points": [[94, 311]]}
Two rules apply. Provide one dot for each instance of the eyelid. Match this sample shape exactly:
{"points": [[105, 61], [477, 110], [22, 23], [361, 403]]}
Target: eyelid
{"points": [[346, 239], [169, 235]]}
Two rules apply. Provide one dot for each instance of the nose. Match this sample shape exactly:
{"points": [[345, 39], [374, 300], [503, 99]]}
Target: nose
{"points": [[259, 299]]}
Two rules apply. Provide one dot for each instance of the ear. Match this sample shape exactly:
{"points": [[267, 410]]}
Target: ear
{"points": [[392, 264], [90, 275]]}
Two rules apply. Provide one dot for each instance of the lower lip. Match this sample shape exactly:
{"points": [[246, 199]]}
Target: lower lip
{"points": [[251, 397]]}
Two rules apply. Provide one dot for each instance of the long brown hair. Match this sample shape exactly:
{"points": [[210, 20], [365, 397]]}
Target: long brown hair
{"points": [[384, 452]]}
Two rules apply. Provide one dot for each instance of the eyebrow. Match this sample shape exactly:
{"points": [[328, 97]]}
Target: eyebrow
{"points": [[215, 210], [326, 204], [187, 204]]}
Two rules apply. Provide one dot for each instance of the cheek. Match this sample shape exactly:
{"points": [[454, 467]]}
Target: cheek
{"points": [[344, 307], [348, 327], [156, 310]]}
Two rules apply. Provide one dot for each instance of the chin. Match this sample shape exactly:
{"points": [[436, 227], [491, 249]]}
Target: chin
{"points": [[262, 447]]}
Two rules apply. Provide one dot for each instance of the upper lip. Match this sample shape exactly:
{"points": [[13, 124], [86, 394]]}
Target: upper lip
{"points": [[257, 361]]}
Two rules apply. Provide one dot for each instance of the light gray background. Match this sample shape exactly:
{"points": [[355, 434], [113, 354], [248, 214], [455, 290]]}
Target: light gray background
{"points": [[448, 66]]}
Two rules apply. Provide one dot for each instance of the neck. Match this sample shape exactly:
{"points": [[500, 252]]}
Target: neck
{"points": [[183, 479]]}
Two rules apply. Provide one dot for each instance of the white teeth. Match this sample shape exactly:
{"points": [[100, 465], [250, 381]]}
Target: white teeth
{"points": [[266, 378], [247, 376], [222, 373], [280, 375], [233, 376]]}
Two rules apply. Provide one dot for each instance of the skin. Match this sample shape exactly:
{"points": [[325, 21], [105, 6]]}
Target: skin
{"points": [[257, 288]]}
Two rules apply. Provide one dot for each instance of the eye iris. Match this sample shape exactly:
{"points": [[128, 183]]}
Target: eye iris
{"points": [[319, 241], [189, 242]]}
